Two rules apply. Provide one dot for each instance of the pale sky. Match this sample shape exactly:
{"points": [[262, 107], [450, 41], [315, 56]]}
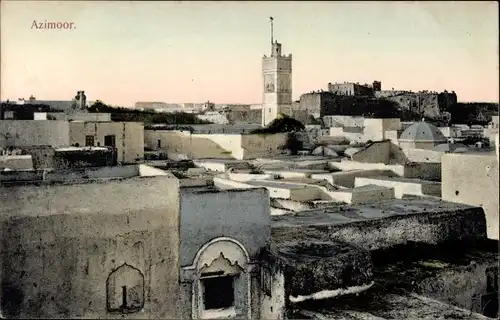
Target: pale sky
{"points": [[123, 52]]}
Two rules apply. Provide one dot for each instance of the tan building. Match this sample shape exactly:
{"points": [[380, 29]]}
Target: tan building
{"points": [[354, 89], [136, 247], [183, 144], [126, 137], [277, 91], [473, 179]]}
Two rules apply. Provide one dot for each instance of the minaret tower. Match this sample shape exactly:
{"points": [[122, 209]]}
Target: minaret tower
{"points": [[277, 82]]}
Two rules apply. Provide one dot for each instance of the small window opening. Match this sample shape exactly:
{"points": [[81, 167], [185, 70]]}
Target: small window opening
{"points": [[456, 192], [159, 143], [124, 297], [265, 280], [89, 141], [110, 141], [218, 292]]}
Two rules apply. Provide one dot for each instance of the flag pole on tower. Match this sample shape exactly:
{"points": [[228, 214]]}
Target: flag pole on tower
{"points": [[271, 20]]}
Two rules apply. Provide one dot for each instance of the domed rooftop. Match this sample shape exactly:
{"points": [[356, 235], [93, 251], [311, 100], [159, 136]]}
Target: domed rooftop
{"points": [[423, 131]]}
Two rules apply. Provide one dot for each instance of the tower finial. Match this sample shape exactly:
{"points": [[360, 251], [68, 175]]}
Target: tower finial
{"points": [[271, 20]]}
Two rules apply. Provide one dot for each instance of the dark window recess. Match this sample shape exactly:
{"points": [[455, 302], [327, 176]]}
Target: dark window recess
{"points": [[110, 141], [491, 279], [265, 280], [89, 141], [128, 298], [124, 297], [489, 301], [159, 143], [218, 292], [489, 305]]}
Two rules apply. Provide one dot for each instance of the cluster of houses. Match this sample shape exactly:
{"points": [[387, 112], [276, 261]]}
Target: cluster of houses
{"points": [[229, 224]]}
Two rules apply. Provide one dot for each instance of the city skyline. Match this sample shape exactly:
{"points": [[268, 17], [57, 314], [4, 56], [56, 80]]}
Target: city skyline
{"points": [[124, 52]]}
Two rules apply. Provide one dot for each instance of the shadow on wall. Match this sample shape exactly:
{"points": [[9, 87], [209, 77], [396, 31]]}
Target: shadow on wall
{"points": [[194, 146], [13, 299], [383, 151], [222, 146], [423, 164]]}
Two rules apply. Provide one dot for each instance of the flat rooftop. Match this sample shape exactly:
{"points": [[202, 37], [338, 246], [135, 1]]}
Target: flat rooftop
{"points": [[381, 224], [380, 305], [408, 284], [399, 179], [216, 160], [298, 170], [81, 149], [361, 212], [294, 158], [276, 184]]}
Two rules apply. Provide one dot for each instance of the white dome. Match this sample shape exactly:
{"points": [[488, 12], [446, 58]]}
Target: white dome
{"points": [[423, 131]]}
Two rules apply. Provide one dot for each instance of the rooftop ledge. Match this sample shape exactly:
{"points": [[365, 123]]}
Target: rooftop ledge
{"points": [[79, 175], [382, 224]]}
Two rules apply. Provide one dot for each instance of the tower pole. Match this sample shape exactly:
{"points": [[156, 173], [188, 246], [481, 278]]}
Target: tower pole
{"points": [[271, 20]]}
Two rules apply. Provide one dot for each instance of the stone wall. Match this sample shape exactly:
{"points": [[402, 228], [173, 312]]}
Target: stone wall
{"points": [[241, 214], [225, 146], [262, 145], [473, 179], [72, 116], [423, 155], [374, 129], [66, 249], [344, 121], [25, 133], [245, 116]]}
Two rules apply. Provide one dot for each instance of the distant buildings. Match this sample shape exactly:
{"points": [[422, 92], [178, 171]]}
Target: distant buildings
{"points": [[354, 89], [126, 137], [171, 107], [423, 103], [316, 103]]}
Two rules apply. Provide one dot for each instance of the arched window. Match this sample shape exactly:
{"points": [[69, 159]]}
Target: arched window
{"points": [[125, 290]]}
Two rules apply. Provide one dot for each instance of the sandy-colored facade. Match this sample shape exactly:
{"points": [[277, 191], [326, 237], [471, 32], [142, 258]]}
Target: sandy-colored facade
{"points": [[473, 179], [126, 137]]}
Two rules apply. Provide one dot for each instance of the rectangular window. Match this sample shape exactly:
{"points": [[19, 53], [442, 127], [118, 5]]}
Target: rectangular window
{"points": [[270, 110], [265, 280], [218, 292], [159, 144], [110, 141], [89, 141]]}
